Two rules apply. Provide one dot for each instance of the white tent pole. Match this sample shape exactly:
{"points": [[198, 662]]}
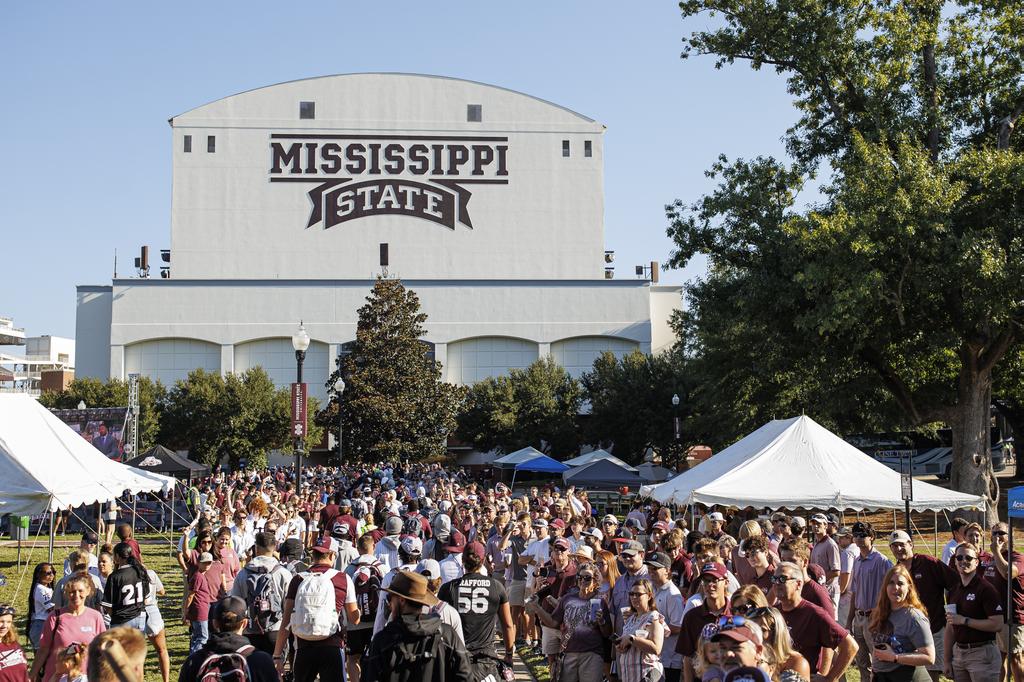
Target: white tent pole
{"points": [[935, 537], [50, 559]]}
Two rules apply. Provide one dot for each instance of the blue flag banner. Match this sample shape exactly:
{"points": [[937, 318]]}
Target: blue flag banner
{"points": [[1015, 502]]}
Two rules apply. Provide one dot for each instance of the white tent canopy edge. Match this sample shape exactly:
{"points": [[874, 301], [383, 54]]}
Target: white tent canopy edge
{"points": [[45, 466], [798, 464]]}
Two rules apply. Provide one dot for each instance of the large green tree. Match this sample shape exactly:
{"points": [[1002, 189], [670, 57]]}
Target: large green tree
{"points": [[538, 406], [114, 393], [907, 276], [238, 416], [631, 406], [395, 403]]}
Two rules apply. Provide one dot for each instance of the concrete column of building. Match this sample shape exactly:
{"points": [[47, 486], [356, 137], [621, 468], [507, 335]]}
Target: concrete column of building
{"points": [[332, 356], [441, 355], [117, 362], [543, 350], [227, 359]]}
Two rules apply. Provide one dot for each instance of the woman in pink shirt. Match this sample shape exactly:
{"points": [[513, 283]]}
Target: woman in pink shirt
{"points": [[75, 622]]}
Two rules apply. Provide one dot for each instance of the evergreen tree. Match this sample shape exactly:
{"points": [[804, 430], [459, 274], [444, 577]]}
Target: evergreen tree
{"points": [[395, 403]]}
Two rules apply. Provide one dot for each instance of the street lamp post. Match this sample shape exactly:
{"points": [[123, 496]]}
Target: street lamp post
{"points": [[339, 388], [675, 419], [300, 342]]}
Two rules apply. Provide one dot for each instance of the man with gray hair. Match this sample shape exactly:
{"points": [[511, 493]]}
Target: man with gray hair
{"points": [[828, 647]]}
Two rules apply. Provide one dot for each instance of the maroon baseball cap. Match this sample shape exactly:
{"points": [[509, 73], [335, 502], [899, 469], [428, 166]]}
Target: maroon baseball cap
{"points": [[714, 568], [456, 543], [325, 545], [474, 549], [558, 523], [561, 544]]}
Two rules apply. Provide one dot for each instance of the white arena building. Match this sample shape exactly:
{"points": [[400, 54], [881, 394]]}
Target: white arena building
{"points": [[287, 199]]}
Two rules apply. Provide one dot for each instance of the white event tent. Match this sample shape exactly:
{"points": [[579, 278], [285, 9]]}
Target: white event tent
{"points": [[45, 466], [793, 463], [597, 455]]}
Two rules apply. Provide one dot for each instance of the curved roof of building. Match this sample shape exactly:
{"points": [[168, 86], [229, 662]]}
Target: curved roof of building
{"points": [[230, 104]]}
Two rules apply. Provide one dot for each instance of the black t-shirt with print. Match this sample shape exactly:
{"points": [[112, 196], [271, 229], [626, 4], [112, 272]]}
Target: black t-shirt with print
{"points": [[477, 598]]}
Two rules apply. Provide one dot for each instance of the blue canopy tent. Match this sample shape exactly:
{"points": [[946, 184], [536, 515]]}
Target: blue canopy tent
{"points": [[530, 459]]}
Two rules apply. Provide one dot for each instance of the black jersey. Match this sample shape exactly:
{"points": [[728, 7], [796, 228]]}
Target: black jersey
{"points": [[125, 594], [477, 598]]}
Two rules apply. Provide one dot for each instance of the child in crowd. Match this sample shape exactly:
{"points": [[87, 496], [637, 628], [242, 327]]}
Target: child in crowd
{"points": [[196, 610]]}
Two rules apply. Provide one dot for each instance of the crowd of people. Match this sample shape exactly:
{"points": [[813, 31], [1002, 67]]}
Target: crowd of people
{"points": [[413, 572]]}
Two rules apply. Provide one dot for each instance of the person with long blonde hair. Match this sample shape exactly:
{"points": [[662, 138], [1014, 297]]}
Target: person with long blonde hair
{"points": [[786, 663], [899, 631]]}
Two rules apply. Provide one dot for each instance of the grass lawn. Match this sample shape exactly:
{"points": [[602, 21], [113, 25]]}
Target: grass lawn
{"points": [[157, 557]]}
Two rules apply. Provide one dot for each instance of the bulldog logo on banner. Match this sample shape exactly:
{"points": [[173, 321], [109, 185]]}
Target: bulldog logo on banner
{"points": [[356, 176]]}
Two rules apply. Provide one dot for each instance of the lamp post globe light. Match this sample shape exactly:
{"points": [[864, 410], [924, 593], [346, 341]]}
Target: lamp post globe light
{"points": [[300, 342], [339, 388]]}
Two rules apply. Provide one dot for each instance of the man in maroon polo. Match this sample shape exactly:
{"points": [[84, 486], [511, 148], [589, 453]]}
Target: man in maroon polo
{"points": [[1011, 638], [971, 652], [716, 603], [827, 646]]}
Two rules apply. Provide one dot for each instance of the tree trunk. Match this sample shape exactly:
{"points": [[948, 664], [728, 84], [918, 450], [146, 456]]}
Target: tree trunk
{"points": [[972, 462]]}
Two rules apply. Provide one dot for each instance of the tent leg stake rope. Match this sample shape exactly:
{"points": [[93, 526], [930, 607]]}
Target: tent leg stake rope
{"points": [[50, 559]]}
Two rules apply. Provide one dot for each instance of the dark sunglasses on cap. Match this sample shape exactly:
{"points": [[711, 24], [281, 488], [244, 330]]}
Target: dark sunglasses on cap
{"points": [[6, 610]]}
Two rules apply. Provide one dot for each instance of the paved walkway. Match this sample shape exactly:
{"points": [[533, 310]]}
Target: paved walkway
{"points": [[520, 669]]}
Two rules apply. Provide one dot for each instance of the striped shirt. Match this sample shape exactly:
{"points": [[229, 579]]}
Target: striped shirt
{"points": [[866, 582]]}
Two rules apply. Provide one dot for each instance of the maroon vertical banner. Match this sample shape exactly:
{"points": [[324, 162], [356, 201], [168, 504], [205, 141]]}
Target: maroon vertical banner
{"points": [[299, 410]]}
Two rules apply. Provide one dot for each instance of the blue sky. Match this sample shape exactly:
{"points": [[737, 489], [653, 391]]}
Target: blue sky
{"points": [[88, 88]]}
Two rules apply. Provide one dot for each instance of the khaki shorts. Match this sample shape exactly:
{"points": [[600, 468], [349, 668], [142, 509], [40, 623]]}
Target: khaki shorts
{"points": [[551, 641], [939, 638], [981, 663], [582, 667], [1016, 643], [517, 593]]}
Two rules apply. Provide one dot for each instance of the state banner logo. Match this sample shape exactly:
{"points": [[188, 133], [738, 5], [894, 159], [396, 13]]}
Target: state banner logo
{"points": [[416, 176]]}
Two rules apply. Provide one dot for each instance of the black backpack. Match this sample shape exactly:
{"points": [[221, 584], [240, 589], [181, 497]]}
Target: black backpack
{"points": [[232, 667], [411, 659], [367, 579]]}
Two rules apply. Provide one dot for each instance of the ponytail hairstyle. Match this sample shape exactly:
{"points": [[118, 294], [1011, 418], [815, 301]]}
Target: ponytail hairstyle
{"points": [[125, 556]]}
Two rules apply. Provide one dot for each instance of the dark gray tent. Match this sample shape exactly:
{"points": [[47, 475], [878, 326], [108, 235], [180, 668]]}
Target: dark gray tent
{"points": [[601, 472], [165, 461]]}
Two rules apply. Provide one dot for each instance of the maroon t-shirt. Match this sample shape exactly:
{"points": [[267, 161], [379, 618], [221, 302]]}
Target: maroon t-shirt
{"points": [[693, 622], [682, 571], [813, 629], [817, 595], [327, 516], [996, 580], [205, 594], [932, 578], [978, 600], [340, 581], [13, 667], [764, 581]]}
